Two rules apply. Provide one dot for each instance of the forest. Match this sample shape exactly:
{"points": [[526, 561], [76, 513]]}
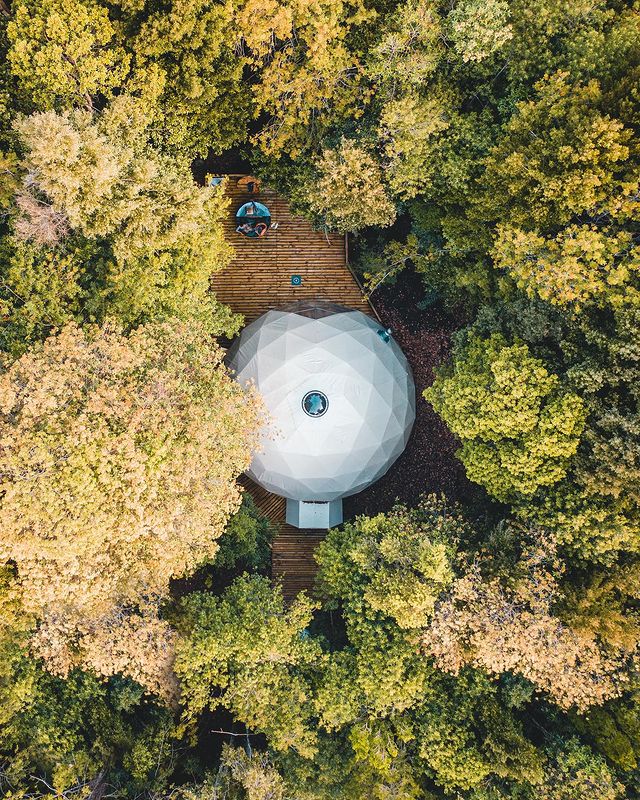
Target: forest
{"points": [[474, 628]]}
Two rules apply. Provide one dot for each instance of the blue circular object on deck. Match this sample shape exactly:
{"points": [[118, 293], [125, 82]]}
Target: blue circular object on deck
{"points": [[253, 219], [253, 210]]}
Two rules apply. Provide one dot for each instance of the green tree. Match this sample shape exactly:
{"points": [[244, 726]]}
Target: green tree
{"points": [[308, 77], [246, 539], [401, 713], [74, 735], [412, 130], [10, 172], [395, 563], [245, 652], [37, 293], [593, 511], [519, 430], [129, 232], [590, 526], [572, 164], [349, 193], [601, 602], [614, 730], [241, 776], [478, 29], [189, 49], [575, 771], [408, 48], [590, 40]]}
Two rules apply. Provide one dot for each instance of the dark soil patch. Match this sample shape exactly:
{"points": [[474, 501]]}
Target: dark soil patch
{"points": [[231, 162], [428, 463]]}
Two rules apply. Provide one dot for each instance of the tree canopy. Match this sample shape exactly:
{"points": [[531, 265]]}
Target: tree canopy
{"points": [[119, 459], [473, 630], [518, 431]]}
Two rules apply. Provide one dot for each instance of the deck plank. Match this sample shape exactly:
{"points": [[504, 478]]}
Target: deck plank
{"points": [[292, 549]]}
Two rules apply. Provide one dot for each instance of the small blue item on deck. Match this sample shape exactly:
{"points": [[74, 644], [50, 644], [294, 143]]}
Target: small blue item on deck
{"points": [[253, 219], [216, 182], [385, 335], [296, 280]]}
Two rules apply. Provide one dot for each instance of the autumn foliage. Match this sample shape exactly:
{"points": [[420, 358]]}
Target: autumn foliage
{"points": [[483, 157], [514, 629], [118, 461]]}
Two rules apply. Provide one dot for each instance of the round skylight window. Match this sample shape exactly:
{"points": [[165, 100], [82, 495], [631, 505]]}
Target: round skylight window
{"points": [[315, 403]]}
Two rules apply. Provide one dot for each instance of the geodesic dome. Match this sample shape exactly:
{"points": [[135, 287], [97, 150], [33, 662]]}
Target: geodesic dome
{"points": [[340, 395]]}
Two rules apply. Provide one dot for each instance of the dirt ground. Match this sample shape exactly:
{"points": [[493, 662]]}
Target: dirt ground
{"points": [[428, 463]]}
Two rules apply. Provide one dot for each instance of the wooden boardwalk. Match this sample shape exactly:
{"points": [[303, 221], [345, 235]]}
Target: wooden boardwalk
{"points": [[258, 279], [292, 550]]}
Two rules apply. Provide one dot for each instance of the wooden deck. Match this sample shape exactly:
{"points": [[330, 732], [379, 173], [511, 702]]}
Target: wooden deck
{"points": [[258, 279]]}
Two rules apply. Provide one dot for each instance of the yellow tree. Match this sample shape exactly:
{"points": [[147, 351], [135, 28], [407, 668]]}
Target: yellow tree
{"points": [[161, 235], [409, 50], [118, 460], [580, 264], [560, 156], [513, 626], [411, 130], [99, 172], [308, 76], [349, 193], [478, 28], [64, 52]]}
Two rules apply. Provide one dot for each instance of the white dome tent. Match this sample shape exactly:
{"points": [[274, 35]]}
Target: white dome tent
{"points": [[341, 399]]}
